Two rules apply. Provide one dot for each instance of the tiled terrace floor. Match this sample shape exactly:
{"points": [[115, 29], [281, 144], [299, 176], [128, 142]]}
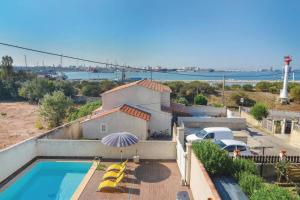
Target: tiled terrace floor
{"points": [[147, 180]]}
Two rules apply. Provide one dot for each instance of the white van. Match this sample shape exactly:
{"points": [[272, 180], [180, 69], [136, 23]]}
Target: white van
{"points": [[217, 133]]}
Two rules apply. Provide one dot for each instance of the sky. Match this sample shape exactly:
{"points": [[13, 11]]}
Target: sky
{"points": [[221, 34]]}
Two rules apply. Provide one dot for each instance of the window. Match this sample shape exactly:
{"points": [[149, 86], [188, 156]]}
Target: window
{"points": [[103, 128], [210, 136], [230, 148], [241, 148]]}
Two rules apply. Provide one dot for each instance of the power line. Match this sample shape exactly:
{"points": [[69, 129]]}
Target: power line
{"points": [[129, 67]]}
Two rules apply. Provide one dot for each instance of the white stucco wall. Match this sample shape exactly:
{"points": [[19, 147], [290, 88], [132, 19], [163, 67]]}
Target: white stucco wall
{"points": [[165, 99], [145, 149], [14, 157], [115, 122], [134, 96]]}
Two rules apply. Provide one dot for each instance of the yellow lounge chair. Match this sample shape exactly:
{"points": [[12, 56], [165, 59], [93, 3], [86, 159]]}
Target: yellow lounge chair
{"points": [[117, 167], [113, 174], [109, 184]]}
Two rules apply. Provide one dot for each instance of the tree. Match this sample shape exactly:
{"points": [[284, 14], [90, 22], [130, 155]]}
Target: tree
{"points": [[200, 100], [54, 108], [66, 87], [259, 111], [295, 93], [7, 68], [36, 89]]}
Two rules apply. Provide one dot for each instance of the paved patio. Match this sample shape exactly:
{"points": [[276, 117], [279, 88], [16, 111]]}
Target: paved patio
{"points": [[147, 180]]}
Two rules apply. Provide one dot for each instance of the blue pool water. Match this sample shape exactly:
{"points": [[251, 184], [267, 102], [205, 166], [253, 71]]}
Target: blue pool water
{"points": [[47, 181]]}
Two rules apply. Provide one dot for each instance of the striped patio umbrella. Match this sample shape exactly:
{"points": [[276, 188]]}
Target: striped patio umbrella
{"points": [[122, 139]]}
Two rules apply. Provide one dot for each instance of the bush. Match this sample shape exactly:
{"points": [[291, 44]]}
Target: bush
{"points": [[250, 183], [38, 124], [262, 86], [54, 108], [236, 97], [200, 100], [91, 90], [274, 90], [243, 165], [215, 160], [259, 111], [182, 100], [272, 192], [84, 110], [235, 87], [248, 87], [295, 93]]}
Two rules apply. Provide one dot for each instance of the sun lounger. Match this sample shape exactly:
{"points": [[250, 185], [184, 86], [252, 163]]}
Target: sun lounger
{"points": [[113, 174], [109, 184], [117, 167]]}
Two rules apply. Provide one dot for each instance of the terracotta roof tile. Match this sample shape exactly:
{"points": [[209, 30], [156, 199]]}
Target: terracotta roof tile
{"points": [[135, 112], [153, 85]]}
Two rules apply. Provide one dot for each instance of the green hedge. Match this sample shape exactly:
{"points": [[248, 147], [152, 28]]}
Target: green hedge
{"points": [[243, 165], [249, 182], [84, 110], [215, 160], [273, 192]]}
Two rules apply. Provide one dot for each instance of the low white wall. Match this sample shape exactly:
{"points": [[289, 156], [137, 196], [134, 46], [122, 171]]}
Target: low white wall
{"points": [[70, 130], [200, 183], [14, 157], [203, 122], [145, 149]]}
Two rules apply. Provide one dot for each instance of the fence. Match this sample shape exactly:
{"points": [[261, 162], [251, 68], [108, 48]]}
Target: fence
{"points": [[271, 159]]}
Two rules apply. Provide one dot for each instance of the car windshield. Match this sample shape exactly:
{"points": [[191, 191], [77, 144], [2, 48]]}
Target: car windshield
{"points": [[220, 143], [201, 133]]}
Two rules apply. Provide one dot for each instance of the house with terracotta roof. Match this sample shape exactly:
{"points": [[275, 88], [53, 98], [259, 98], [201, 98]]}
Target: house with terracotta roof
{"points": [[137, 107]]}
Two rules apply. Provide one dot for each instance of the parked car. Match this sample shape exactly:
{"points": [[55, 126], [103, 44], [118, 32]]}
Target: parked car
{"points": [[211, 133], [231, 145]]}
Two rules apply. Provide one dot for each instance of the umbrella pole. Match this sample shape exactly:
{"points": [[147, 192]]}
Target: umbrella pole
{"points": [[121, 155]]}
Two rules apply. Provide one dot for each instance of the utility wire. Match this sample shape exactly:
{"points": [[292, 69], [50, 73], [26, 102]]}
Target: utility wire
{"points": [[128, 67]]}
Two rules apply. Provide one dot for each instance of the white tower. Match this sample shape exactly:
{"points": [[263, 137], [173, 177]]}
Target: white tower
{"points": [[284, 98]]}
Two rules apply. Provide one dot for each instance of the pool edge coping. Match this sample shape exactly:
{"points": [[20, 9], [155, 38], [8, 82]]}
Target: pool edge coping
{"points": [[76, 195]]}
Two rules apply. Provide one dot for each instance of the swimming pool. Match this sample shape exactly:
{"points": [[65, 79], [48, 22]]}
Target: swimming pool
{"points": [[47, 180]]}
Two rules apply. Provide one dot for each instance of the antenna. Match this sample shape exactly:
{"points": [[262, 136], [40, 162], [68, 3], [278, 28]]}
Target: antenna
{"points": [[25, 61]]}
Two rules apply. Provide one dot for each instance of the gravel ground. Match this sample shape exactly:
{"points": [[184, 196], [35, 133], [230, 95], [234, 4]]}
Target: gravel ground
{"points": [[17, 122]]}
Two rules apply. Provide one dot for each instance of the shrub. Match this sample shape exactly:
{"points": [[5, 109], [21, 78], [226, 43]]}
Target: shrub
{"points": [[54, 108], [274, 90], [243, 165], [248, 87], [236, 97], [84, 110], [262, 86], [200, 100], [38, 124], [272, 192], [235, 87], [215, 160], [182, 100], [295, 93], [249, 183], [259, 111], [91, 90]]}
